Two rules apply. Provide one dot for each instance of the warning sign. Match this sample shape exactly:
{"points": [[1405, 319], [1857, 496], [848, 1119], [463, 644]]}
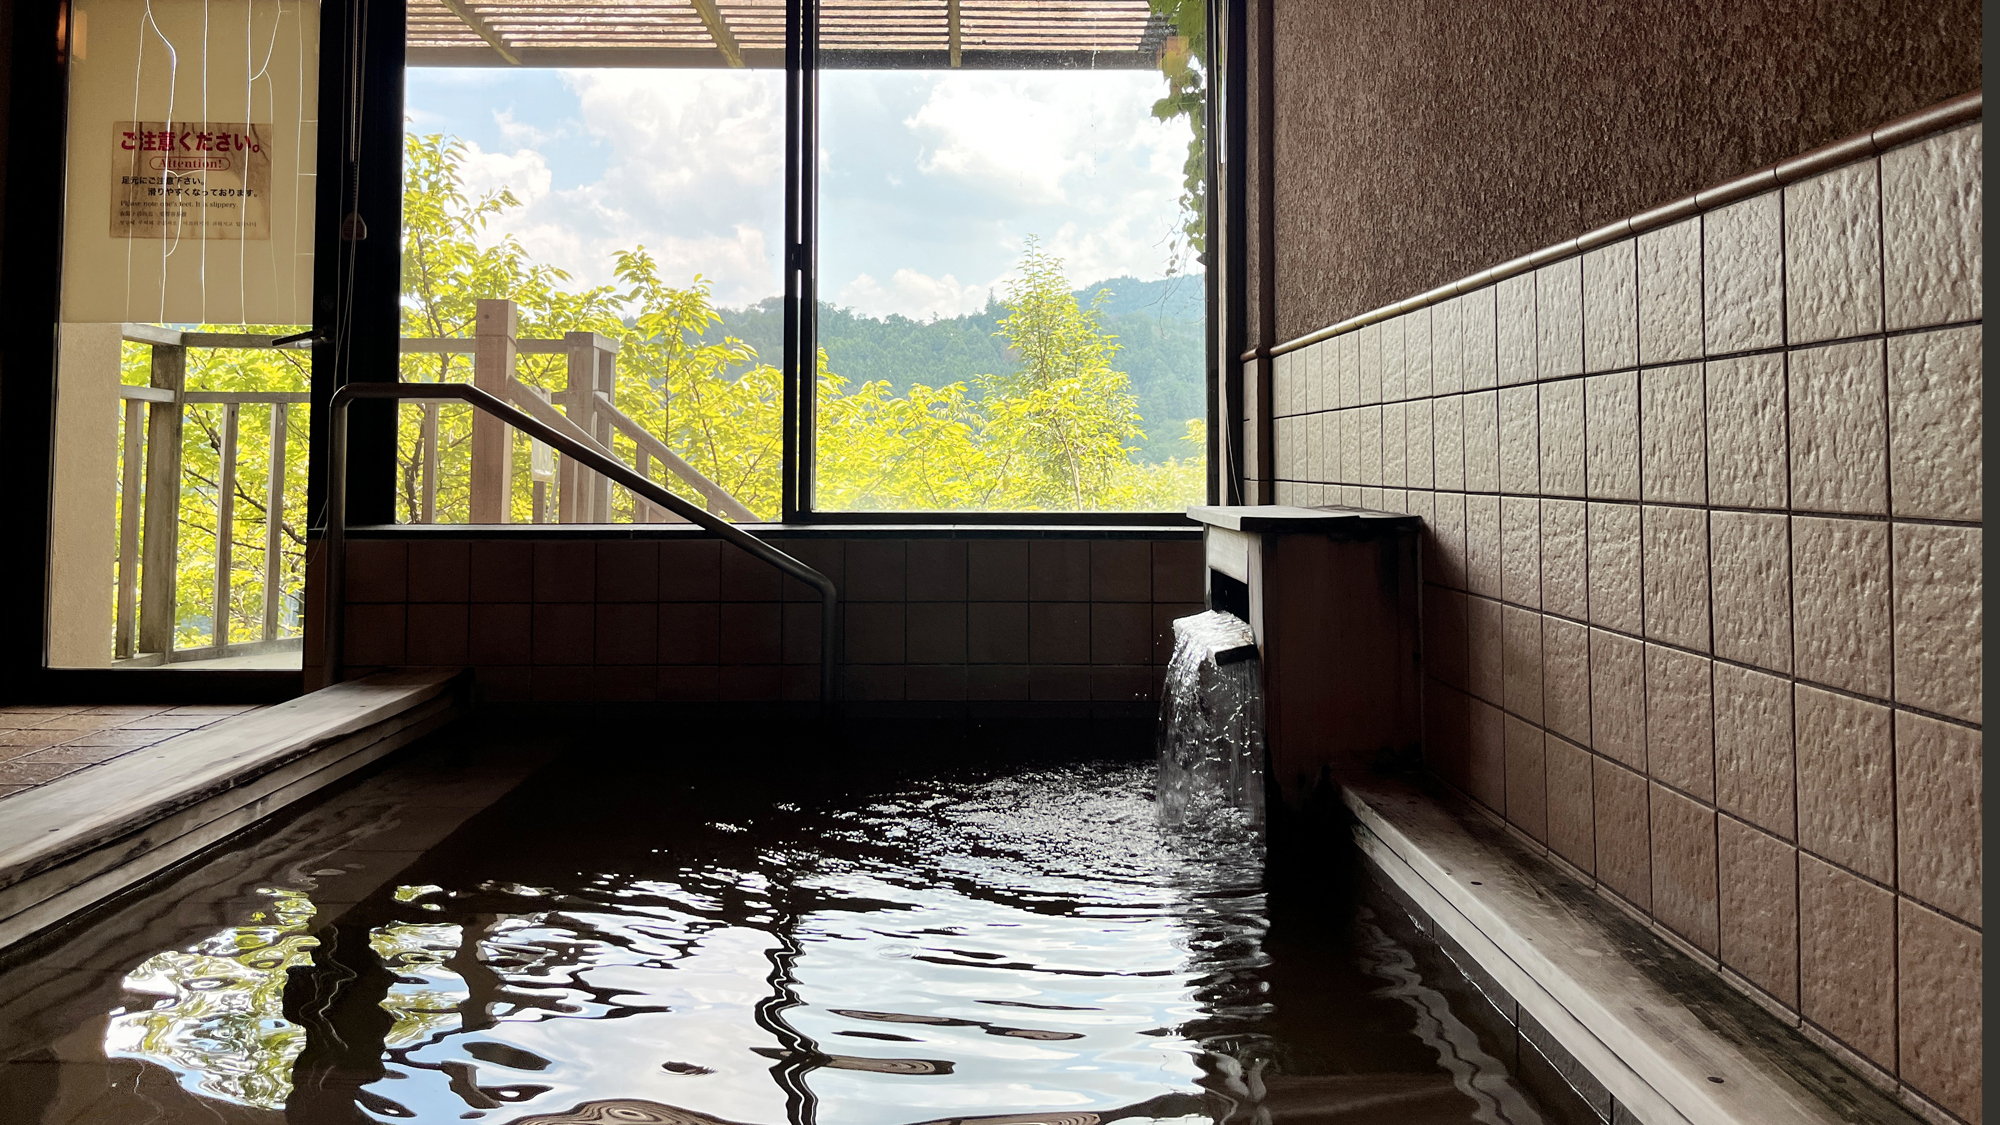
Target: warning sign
{"points": [[177, 179]]}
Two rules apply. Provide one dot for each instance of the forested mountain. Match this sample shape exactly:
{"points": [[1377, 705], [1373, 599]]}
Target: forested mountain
{"points": [[1158, 325]]}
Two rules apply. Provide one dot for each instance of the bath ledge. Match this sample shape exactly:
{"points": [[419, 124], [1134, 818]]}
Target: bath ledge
{"points": [[1280, 517], [69, 844], [1665, 1037]]}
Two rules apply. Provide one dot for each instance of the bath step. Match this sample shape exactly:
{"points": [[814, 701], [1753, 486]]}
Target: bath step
{"points": [[80, 839], [1639, 1029]]}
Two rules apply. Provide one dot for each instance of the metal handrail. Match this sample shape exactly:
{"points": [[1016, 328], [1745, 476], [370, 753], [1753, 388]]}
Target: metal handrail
{"points": [[336, 511]]}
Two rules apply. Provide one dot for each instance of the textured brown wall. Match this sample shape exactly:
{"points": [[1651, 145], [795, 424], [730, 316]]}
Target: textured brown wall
{"points": [[1419, 141]]}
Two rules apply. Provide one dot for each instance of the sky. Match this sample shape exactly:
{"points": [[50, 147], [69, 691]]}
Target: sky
{"points": [[931, 181]]}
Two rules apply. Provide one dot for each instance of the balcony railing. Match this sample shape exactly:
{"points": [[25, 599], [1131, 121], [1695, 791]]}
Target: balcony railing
{"points": [[152, 550]]}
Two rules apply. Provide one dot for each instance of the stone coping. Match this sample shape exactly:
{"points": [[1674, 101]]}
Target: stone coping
{"points": [[1666, 1039]]}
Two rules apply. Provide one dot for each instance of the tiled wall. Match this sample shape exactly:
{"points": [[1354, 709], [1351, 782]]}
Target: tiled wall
{"points": [[999, 620], [1703, 604]]}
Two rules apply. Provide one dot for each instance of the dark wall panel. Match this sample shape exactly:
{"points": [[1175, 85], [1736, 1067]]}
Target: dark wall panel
{"points": [[1418, 141]]}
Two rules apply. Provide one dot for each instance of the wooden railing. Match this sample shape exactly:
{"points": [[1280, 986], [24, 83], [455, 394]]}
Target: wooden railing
{"points": [[150, 487]]}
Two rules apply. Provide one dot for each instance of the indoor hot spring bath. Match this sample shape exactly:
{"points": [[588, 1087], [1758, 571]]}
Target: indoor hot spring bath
{"points": [[951, 926]]}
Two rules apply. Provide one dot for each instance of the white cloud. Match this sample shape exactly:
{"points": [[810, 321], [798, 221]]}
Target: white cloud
{"points": [[915, 295]]}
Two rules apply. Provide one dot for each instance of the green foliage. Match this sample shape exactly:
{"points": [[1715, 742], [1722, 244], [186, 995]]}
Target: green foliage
{"points": [[1182, 61], [1051, 427]]}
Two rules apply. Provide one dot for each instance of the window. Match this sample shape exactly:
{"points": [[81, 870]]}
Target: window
{"points": [[1002, 227]]}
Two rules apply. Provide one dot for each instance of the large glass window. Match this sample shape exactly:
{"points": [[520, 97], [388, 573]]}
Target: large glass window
{"points": [[1011, 308], [1005, 230], [179, 475]]}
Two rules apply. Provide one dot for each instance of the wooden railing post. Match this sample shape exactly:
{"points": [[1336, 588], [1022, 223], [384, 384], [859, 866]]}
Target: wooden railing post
{"points": [[126, 634], [159, 554], [274, 523], [576, 489], [604, 381], [225, 525], [427, 510], [491, 486]]}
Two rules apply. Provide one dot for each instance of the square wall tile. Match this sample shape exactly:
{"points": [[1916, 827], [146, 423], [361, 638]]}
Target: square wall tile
{"points": [[996, 681], [1680, 721], [564, 633], [1444, 539], [377, 570], [1742, 290], [1936, 425], [1487, 752], [1940, 619], [627, 633], [1562, 438], [1371, 445], [690, 633], [376, 633], [1624, 842], [1559, 319], [1846, 770], [1669, 263], [1347, 370], [1747, 454], [1059, 570], [1478, 339], [1847, 958], [1753, 748], [802, 629], [1121, 570], [1445, 637], [1521, 662], [997, 632], [1058, 633], [1482, 442], [1932, 204], [1417, 448], [1395, 439], [690, 570], [1565, 553], [997, 570], [1676, 575], [1447, 358], [1840, 604], [1482, 544], [1520, 441], [936, 570], [1611, 436], [1940, 814], [1833, 255], [1521, 550], [936, 632], [628, 570], [1939, 1047], [1672, 423], [1571, 815], [1840, 438], [1615, 588], [440, 570], [1120, 633], [1485, 645], [1618, 698], [1448, 440], [746, 578], [876, 634], [1178, 570], [1611, 307], [1566, 679], [1368, 349], [1417, 353], [439, 633], [1759, 913], [1527, 787], [1750, 556], [754, 633], [1394, 364], [566, 571], [1352, 428], [1685, 895], [877, 571], [940, 683], [1514, 302]]}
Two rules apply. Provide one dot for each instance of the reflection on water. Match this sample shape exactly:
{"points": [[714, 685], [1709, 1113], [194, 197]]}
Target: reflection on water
{"points": [[1026, 947], [220, 1024]]}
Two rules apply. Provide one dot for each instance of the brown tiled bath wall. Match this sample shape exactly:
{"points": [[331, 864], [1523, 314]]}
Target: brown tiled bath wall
{"points": [[1703, 581], [676, 618]]}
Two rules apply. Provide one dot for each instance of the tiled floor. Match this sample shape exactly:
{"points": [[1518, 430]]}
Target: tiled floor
{"points": [[40, 744]]}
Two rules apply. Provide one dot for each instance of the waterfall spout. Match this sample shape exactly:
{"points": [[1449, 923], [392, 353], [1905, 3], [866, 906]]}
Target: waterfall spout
{"points": [[1211, 733]]}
